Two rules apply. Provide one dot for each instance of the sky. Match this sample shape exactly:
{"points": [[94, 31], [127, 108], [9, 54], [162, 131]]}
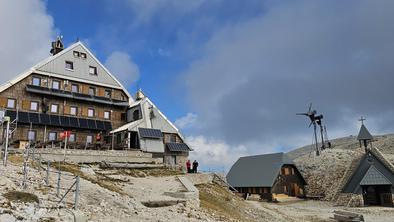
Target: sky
{"points": [[231, 74]]}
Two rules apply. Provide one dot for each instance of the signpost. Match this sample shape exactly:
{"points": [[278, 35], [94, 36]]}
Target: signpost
{"points": [[65, 135]]}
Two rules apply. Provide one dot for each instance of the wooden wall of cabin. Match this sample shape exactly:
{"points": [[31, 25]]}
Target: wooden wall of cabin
{"points": [[289, 182]]}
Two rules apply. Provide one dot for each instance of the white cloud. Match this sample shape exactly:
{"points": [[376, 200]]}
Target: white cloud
{"points": [[122, 66], [27, 32], [214, 154], [186, 121]]}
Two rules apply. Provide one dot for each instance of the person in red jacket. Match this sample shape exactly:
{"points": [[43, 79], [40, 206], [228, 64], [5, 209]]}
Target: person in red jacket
{"points": [[188, 166]]}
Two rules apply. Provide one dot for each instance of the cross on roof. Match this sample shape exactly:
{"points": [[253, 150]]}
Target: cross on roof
{"points": [[362, 120]]}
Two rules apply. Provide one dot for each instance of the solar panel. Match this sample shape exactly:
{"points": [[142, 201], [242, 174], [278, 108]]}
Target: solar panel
{"points": [[150, 133], [107, 126], [23, 117], [74, 122], [92, 124], [64, 121], [55, 120], [83, 123], [11, 114], [100, 125], [34, 118], [178, 147], [44, 118]]}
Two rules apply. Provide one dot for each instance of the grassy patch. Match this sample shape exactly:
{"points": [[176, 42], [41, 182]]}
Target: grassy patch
{"points": [[21, 197], [218, 200], [154, 172], [16, 158], [76, 170]]}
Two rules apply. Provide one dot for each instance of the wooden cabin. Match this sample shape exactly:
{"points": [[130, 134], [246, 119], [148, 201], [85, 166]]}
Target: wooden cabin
{"points": [[267, 175]]}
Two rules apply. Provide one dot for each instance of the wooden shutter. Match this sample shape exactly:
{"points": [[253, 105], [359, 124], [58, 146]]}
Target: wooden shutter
{"points": [[26, 105], [84, 111], [101, 92], [66, 109], [85, 89], [3, 102]]}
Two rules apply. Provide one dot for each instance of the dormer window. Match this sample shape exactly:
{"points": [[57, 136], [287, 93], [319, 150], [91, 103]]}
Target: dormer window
{"points": [[36, 81], [55, 84], [83, 55], [93, 70], [108, 93], [69, 65]]}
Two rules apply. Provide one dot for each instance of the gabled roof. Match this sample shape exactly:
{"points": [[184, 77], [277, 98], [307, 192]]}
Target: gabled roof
{"points": [[364, 134], [374, 177], [48, 67], [257, 171]]}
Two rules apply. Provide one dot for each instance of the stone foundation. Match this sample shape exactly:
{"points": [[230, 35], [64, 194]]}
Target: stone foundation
{"points": [[350, 200]]}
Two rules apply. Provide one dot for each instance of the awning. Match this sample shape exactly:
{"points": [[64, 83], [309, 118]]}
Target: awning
{"points": [[127, 126], [178, 147]]}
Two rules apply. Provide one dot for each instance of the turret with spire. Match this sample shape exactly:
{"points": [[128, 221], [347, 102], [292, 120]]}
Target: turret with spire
{"points": [[364, 136]]}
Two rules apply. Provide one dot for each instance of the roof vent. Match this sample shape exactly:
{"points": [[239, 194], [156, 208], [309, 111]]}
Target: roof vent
{"points": [[57, 46]]}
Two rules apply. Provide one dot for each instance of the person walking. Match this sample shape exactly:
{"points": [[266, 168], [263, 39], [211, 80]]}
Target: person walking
{"points": [[188, 166], [195, 166]]}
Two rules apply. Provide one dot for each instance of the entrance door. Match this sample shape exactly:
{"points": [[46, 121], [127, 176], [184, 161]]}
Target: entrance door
{"points": [[377, 195]]}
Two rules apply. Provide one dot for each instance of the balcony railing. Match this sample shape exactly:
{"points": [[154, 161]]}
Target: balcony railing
{"points": [[75, 96]]}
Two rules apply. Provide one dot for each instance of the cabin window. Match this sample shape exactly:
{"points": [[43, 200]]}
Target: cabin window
{"points": [[55, 84], [108, 93], [122, 97], [31, 135], [89, 139], [83, 55], [75, 88], [107, 115], [54, 108], [173, 138], [76, 53], [11, 103], [36, 81], [73, 110], [72, 137], [69, 65], [92, 91], [90, 112], [93, 70], [285, 189], [34, 106], [287, 171], [292, 171], [52, 136]]}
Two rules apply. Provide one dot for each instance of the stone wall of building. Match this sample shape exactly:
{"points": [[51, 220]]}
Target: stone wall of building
{"points": [[350, 200]]}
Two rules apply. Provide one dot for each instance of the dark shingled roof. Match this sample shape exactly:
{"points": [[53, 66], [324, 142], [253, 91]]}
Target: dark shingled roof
{"points": [[257, 171], [374, 177], [364, 134]]}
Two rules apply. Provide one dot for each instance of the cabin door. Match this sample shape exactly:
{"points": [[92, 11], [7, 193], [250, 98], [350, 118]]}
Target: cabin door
{"points": [[377, 195]]}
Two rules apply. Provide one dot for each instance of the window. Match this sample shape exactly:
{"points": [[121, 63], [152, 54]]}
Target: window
{"points": [[76, 53], [31, 135], [292, 171], [123, 98], [11, 103], [173, 138], [69, 65], [52, 136], [34, 106], [89, 139], [54, 108], [83, 55], [92, 91], [287, 171], [107, 115], [90, 112], [74, 88], [108, 93], [92, 70], [73, 110], [136, 115], [55, 84], [72, 138], [36, 81]]}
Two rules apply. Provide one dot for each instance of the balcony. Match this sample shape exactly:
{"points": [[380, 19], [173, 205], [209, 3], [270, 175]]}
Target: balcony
{"points": [[75, 96], [66, 122]]}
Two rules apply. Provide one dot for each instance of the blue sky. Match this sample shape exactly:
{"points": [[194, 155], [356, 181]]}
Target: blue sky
{"points": [[162, 46], [231, 74]]}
